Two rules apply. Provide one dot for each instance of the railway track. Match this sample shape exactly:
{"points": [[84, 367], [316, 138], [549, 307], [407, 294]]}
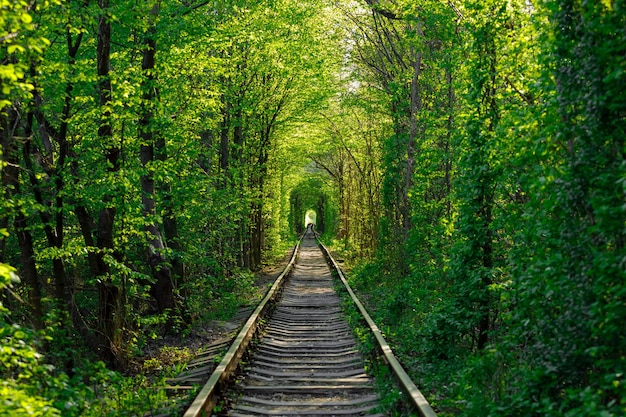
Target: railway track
{"points": [[305, 360]]}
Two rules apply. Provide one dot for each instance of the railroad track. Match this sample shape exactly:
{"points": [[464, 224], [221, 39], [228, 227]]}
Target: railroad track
{"points": [[305, 360]]}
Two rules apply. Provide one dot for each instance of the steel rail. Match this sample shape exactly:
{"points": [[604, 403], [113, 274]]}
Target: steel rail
{"points": [[417, 399], [206, 399]]}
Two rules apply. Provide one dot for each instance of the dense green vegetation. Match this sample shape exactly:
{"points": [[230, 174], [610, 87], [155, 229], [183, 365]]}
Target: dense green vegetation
{"points": [[467, 158]]}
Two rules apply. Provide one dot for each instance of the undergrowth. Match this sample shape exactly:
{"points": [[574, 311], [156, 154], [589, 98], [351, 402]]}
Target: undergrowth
{"points": [[393, 401]]}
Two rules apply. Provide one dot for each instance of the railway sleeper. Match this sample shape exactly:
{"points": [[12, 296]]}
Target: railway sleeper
{"points": [[338, 366], [324, 372], [290, 360]]}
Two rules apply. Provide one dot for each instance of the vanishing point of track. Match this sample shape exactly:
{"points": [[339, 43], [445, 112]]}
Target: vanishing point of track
{"points": [[306, 361]]}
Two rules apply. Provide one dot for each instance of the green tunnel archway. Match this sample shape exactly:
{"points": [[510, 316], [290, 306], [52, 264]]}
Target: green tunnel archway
{"points": [[310, 217], [310, 203]]}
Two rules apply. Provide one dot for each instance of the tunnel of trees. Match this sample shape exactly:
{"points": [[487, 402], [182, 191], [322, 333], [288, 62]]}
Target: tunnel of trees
{"points": [[465, 157], [311, 195]]}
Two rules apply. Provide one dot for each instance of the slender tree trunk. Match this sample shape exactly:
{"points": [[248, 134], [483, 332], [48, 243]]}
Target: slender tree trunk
{"points": [[162, 290], [56, 237], [242, 238], [448, 141], [238, 134], [414, 109], [255, 235], [106, 218], [111, 310], [488, 116], [5, 142], [10, 178], [88, 228], [170, 225], [487, 262], [347, 204], [54, 234], [224, 142], [29, 269], [321, 215], [54, 224], [257, 232]]}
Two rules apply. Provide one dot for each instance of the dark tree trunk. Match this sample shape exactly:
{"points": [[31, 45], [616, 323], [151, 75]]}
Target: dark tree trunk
{"points": [[106, 218], [162, 290], [415, 107], [321, 215], [238, 135], [54, 234], [257, 226], [5, 145], [448, 140], [170, 225], [111, 310], [29, 269], [10, 178], [87, 228], [242, 237], [110, 321], [54, 225], [56, 238], [484, 324], [224, 142], [488, 111]]}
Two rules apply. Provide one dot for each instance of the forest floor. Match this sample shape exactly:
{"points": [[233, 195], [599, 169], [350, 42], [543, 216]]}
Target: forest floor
{"points": [[171, 349]]}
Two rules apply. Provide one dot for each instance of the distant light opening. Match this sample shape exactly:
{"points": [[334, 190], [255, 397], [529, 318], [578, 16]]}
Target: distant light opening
{"points": [[310, 217]]}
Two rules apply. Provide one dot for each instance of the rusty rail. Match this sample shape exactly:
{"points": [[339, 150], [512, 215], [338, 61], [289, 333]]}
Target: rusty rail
{"points": [[209, 394], [417, 399]]}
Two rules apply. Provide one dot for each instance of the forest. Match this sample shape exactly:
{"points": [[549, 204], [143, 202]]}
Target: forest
{"points": [[466, 159]]}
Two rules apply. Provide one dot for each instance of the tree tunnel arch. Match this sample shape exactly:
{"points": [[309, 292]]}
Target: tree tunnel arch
{"points": [[310, 217], [310, 202]]}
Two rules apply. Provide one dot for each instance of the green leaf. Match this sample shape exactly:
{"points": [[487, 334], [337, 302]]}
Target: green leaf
{"points": [[11, 49]]}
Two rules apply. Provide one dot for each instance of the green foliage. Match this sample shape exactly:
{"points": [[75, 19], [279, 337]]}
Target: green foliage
{"points": [[21, 371], [467, 156], [32, 387], [568, 295], [311, 194], [16, 402], [221, 68], [18, 47], [511, 284]]}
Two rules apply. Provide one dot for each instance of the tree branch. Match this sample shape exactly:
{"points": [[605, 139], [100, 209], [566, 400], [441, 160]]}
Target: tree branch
{"points": [[8, 37], [383, 12], [324, 167], [191, 7]]}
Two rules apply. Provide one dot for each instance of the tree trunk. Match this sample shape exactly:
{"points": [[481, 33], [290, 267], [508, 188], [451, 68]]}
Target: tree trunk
{"points": [[54, 235], [170, 225], [480, 178], [487, 262], [162, 290], [54, 226], [106, 218], [224, 142], [414, 109], [111, 311], [243, 240], [29, 270], [10, 178], [448, 154]]}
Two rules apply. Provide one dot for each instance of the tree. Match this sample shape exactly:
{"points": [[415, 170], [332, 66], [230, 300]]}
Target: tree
{"points": [[18, 49], [163, 287], [477, 196], [569, 288]]}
